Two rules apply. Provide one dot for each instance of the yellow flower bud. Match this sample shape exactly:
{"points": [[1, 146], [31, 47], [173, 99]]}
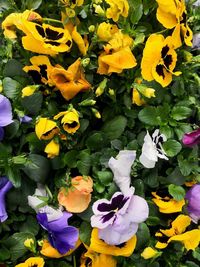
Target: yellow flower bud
{"points": [[96, 113], [91, 28], [99, 10], [100, 89], [52, 149], [85, 62], [29, 90], [149, 253], [70, 12], [29, 242], [111, 92]]}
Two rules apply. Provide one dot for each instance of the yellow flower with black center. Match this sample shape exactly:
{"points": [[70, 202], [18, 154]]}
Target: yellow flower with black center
{"points": [[93, 259], [117, 8], [70, 120], [117, 55], [17, 20], [71, 81], [33, 261], [190, 239], [52, 149], [99, 246], [167, 204], [159, 59], [46, 39], [172, 14], [46, 129], [105, 31], [40, 69]]}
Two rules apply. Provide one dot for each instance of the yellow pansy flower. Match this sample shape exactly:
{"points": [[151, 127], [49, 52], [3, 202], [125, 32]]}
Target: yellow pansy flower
{"points": [[50, 252], [97, 260], [39, 70], [17, 20], [136, 98], [105, 31], [172, 14], [46, 39], [99, 246], [159, 59], [71, 81], [140, 90], [149, 253], [52, 149], [46, 129], [167, 204], [70, 120], [117, 8], [117, 55], [33, 261]]}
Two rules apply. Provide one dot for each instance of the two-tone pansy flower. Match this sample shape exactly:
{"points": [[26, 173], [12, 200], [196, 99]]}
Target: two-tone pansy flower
{"points": [[71, 81], [172, 14], [69, 121], [190, 239], [18, 20], [167, 204], [117, 55], [152, 149], [117, 8], [39, 70], [159, 59]]}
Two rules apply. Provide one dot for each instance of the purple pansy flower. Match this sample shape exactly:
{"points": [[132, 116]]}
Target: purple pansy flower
{"points": [[5, 186], [118, 219], [192, 138], [25, 119], [193, 197], [61, 236], [5, 114]]}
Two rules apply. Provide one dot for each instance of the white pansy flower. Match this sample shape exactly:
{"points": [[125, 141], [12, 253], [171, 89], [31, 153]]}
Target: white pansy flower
{"points": [[152, 149], [121, 168]]}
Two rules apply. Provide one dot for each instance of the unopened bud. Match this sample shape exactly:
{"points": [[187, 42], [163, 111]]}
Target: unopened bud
{"points": [[87, 102], [91, 28], [85, 62], [96, 113]]}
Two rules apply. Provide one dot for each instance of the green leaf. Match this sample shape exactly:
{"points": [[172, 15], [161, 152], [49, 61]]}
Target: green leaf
{"points": [[136, 11], [14, 175], [149, 115], [11, 88], [180, 113], [95, 141], [37, 168], [4, 254], [30, 4], [172, 147], [105, 177], [85, 232], [30, 225], [15, 244], [84, 163], [5, 5], [114, 128], [185, 166], [196, 254], [70, 158], [13, 68], [12, 129], [176, 177], [176, 191], [33, 102], [143, 235]]}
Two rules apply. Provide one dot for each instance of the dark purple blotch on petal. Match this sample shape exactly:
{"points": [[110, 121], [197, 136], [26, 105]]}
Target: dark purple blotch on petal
{"points": [[116, 203]]}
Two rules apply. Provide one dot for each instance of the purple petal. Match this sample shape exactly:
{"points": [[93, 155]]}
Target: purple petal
{"points": [[138, 210], [101, 222], [193, 197], [25, 119], [113, 237], [5, 111], [191, 139], [5, 186], [60, 223]]}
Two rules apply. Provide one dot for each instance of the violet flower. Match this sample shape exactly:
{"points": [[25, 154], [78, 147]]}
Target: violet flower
{"points": [[61, 236], [152, 149], [192, 138], [25, 119], [118, 219], [121, 168], [5, 114], [193, 197], [5, 186]]}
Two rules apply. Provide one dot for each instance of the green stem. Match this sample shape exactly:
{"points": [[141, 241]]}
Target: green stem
{"points": [[74, 261], [52, 20]]}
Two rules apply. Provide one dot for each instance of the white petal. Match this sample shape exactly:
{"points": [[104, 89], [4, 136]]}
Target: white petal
{"points": [[52, 214], [138, 210], [121, 168], [146, 162], [34, 202]]}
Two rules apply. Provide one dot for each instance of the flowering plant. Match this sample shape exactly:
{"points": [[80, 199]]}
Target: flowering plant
{"points": [[99, 133]]}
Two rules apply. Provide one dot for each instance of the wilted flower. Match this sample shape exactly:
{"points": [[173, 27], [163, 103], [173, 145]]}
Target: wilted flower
{"points": [[5, 186], [193, 207], [118, 219], [121, 168], [77, 197], [152, 149], [5, 114], [33, 261], [191, 139], [61, 236], [46, 129]]}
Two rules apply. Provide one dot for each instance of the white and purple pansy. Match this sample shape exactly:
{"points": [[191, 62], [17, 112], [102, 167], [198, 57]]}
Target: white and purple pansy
{"points": [[118, 219]]}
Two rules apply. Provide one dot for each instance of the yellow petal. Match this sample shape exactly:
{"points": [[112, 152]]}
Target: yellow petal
{"points": [[149, 253], [101, 247], [45, 128], [28, 90], [52, 149]]}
